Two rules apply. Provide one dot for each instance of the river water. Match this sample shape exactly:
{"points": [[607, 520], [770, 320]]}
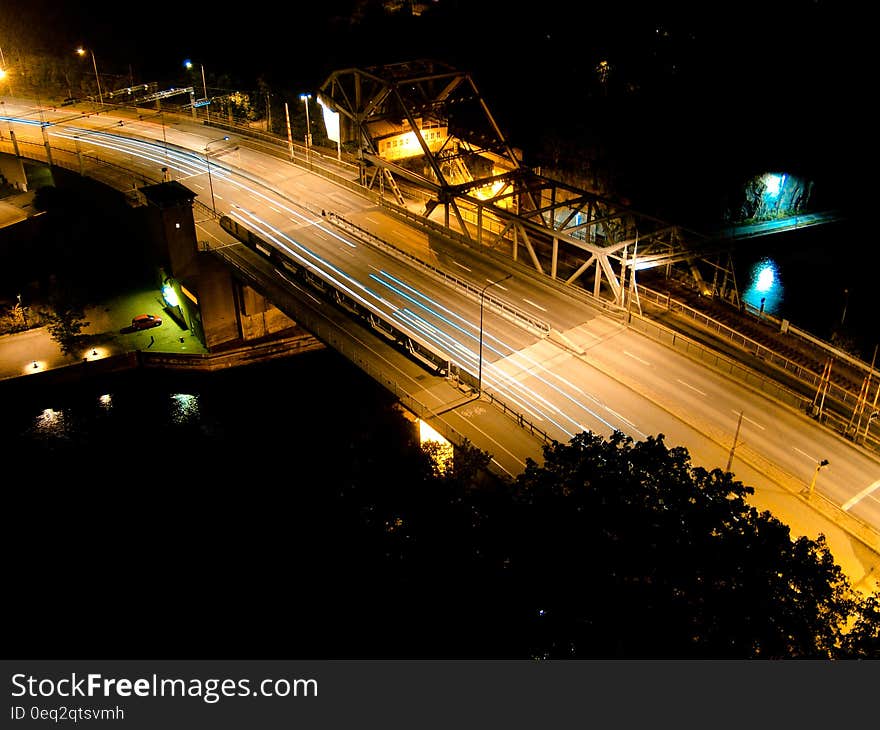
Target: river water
{"points": [[817, 279]]}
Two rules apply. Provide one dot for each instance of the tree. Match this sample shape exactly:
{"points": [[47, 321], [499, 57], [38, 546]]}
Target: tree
{"points": [[862, 641], [625, 549], [67, 317]]}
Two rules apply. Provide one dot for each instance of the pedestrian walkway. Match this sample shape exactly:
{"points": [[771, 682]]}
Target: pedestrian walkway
{"points": [[109, 333]]}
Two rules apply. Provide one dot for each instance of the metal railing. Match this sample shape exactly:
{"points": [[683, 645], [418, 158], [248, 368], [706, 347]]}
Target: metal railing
{"points": [[807, 376], [520, 317], [744, 374]]}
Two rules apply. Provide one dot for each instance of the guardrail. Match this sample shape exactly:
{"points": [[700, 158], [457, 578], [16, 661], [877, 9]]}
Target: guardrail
{"points": [[805, 375], [427, 225], [746, 375], [510, 312]]}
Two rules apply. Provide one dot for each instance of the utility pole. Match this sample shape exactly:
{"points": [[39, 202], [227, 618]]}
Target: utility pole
{"points": [[735, 439], [289, 136], [863, 396]]}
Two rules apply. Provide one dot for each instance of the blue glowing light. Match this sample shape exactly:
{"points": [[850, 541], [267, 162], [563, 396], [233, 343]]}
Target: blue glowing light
{"points": [[765, 289], [773, 183], [766, 277]]}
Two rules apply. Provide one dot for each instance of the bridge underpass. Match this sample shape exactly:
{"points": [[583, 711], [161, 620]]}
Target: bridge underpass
{"points": [[557, 376]]}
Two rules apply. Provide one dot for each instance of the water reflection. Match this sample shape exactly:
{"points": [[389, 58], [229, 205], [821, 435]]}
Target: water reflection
{"points": [[184, 408], [765, 289], [50, 422]]}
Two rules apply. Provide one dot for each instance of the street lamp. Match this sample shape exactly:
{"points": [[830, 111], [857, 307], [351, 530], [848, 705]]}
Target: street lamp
{"points": [[208, 163], [821, 465], [82, 52], [189, 65], [480, 365], [305, 100]]}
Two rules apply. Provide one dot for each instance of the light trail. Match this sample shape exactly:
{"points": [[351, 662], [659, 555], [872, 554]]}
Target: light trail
{"points": [[511, 352]]}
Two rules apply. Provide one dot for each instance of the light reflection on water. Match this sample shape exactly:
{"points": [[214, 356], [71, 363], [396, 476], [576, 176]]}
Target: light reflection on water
{"points": [[765, 284], [52, 423], [184, 408]]}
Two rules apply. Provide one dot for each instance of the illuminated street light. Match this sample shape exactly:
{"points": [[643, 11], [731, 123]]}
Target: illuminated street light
{"points": [[208, 163], [3, 73], [821, 465], [480, 366], [189, 64], [305, 99], [82, 52]]}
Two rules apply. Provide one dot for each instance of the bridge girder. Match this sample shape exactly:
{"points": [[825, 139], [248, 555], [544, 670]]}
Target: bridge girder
{"points": [[424, 126]]}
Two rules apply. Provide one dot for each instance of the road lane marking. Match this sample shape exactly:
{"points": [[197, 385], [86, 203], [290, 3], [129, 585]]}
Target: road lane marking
{"points": [[810, 457], [697, 390], [746, 418], [501, 466], [529, 301], [860, 496], [461, 265], [499, 286], [634, 357], [271, 207], [625, 420], [494, 441]]}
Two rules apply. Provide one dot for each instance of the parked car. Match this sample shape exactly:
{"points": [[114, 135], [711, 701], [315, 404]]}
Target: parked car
{"points": [[145, 321]]}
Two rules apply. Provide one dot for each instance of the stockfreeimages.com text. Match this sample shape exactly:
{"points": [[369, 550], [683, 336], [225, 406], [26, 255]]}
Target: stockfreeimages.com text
{"points": [[209, 690]]}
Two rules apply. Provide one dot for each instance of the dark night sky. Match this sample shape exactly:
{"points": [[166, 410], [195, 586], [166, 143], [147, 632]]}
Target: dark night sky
{"points": [[700, 90]]}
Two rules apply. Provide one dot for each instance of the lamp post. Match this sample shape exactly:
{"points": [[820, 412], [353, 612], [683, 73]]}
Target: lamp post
{"points": [[208, 163], [480, 359], [820, 465], [82, 52], [188, 64], [305, 100], [207, 100]]}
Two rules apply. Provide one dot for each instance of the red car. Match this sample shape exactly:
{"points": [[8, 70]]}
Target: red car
{"points": [[145, 321]]}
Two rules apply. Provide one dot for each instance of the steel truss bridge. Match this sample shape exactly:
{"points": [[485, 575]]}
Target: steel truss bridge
{"points": [[423, 131]]}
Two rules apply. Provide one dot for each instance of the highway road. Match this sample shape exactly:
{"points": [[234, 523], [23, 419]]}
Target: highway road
{"points": [[596, 375]]}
